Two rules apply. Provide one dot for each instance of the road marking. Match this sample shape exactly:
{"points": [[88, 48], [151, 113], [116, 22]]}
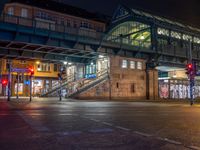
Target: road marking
{"points": [[122, 128], [106, 123], [101, 130], [95, 120], [143, 134], [64, 114], [33, 123], [172, 141], [69, 133], [86, 117], [194, 147], [169, 141]]}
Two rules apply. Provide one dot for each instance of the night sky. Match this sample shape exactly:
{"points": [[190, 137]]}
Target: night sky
{"points": [[185, 11]]}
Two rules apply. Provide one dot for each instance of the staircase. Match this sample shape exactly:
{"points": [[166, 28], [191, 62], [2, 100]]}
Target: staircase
{"points": [[57, 86], [88, 84], [76, 87]]}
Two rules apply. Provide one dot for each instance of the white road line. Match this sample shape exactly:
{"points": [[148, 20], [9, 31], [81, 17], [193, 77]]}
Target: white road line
{"points": [[194, 147], [101, 130], [95, 120], [143, 134], [86, 117], [169, 141], [172, 141], [69, 133], [106, 123], [33, 123], [122, 128]]}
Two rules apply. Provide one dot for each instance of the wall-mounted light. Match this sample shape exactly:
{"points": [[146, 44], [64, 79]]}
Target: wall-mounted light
{"points": [[65, 62], [37, 62]]}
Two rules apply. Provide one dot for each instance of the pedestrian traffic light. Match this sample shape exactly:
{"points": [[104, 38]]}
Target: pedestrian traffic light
{"points": [[31, 70], [189, 69], [4, 82], [59, 76]]}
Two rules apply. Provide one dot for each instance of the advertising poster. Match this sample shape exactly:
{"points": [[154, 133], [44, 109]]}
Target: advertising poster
{"points": [[163, 89]]}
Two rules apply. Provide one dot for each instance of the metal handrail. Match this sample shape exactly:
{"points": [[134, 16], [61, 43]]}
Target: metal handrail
{"points": [[85, 82]]}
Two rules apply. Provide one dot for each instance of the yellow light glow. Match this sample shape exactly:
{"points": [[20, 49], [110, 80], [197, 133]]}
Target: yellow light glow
{"points": [[37, 62]]}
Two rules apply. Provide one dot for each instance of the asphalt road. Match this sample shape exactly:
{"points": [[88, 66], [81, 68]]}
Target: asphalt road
{"points": [[78, 125]]}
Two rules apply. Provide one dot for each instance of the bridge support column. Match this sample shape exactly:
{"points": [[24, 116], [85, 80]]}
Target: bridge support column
{"points": [[152, 84]]}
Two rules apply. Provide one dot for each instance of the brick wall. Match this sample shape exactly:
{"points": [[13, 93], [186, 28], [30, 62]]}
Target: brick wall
{"points": [[125, 83]]}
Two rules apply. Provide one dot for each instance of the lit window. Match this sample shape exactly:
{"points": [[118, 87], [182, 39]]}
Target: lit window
{"points": [[162, 31], [24, 12], [176, 35], [196, 40], [43, 67], [187, 37], [10, 11], [132, 64], [139, 65], [124, 63]]}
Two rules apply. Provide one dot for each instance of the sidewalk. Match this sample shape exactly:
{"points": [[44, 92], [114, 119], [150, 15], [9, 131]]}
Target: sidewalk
{"points": [[39, 99], [56, 99]]}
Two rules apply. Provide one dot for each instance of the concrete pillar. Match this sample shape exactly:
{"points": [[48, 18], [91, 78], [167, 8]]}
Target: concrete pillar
{"points": [[153, 84]]}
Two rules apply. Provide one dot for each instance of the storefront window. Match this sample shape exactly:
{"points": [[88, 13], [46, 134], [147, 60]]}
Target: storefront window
{"points": [[37, 86], [20, 88]]}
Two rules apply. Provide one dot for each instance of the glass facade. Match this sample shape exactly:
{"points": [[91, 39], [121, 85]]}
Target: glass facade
{"points": [[131, 33]]}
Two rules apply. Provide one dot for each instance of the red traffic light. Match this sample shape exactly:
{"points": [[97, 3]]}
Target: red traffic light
{"points": [[4, 82], [31, 70], [189, 66]]}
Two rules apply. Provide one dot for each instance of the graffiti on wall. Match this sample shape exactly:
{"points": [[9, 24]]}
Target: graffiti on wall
{"points": [[177, 89]]}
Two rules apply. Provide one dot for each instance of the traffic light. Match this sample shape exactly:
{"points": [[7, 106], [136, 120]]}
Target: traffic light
{"points": [[4, 82], [191, 70], [31, 70], [59, 76]]}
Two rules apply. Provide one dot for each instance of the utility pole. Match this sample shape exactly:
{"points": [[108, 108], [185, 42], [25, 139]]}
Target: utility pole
{"points": [[31, 70], [30, 88], [9, 80], [60, 82], [17, 86], [191, 71]]}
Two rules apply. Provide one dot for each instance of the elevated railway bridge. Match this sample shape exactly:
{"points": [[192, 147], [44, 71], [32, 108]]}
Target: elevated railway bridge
{"points": [[131, 33]]}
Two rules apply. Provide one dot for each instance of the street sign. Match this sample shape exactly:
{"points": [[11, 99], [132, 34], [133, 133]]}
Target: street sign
{"points": [[20, 70]]}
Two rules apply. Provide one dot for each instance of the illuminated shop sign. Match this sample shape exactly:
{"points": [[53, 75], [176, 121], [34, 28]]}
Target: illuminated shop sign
{"points": [[90, 76]]}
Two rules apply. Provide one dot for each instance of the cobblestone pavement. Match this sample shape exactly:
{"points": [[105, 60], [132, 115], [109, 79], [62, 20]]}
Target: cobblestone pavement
{"points": [[81, 125]]}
